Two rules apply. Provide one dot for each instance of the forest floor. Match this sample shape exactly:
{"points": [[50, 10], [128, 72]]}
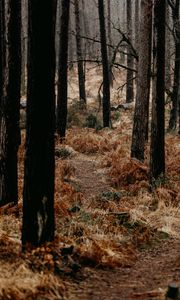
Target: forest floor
{"points": [[115, 237], [154, 269]]}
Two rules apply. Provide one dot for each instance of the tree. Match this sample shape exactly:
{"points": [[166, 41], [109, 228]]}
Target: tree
{"points": [[109, 40], [38, 195], [136, 27], [143, 82], [81, 71], [10, 98], [130, 61], [2, 47], [176, 79], [168, 51], [157, 147], [62, 70], [23, 45], [105, 65]]}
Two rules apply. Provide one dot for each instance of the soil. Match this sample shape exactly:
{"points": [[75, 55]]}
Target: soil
{"points": [[149, 277]]}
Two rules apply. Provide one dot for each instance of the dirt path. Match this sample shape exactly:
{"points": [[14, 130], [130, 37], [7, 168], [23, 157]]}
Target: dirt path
{"points": [[92, 180], [147, 279]]}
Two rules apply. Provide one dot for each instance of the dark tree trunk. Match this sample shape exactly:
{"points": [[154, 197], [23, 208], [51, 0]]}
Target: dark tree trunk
{"points": [[137, 29], [105, 65], [38, 197], [62, 72], [130, 60], [143, 82], [168, 51], [81, 71], [24, 46], [110, 54], [157, 148], [176, 80], [179, 107], [10, 100], [70, 46], [2, 47], [87, 43]]}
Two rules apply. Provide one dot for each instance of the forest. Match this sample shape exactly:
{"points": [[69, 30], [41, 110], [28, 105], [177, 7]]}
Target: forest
{"points": [[89, 149]]}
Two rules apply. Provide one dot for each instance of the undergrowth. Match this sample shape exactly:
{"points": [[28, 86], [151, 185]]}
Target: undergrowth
{"points": [[105, 230]]}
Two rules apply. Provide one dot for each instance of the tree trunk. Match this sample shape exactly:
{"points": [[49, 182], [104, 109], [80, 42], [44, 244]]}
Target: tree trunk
{"points": [[10, 100], [137, 29], [143, 82], [176, 80], [2, 47], [168, 51], [81, 74], [105, 65], [38, 196], [110, 54], [130, 60], [24, 46], [157, 148], [62, 72]]}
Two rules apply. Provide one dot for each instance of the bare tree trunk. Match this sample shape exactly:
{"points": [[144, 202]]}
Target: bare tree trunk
{"points": [[157, 148], [176, 80], [70, 45], [109, 40], [105, 65], [10, 100], [143, 82], [24, 45], [168, 51], [38, 196], [130, 60], [62, 72], [81, 74], [137, 30], [2, 48]]}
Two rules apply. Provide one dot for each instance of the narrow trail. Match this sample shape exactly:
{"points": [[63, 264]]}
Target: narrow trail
{"points": [[92, 180], [154, 269], [148, 279]]}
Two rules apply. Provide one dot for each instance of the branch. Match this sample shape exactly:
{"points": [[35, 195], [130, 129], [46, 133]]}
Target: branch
{"points": [[117, 65], [171, 4], [108, 45], [120, 88], [128, 41]]}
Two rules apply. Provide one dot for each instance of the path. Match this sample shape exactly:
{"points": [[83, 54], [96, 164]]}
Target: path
{"points": [[92, 181], [147, 279]]}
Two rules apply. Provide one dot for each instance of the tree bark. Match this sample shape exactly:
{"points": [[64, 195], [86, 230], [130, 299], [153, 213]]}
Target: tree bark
{"points": [[2, 47], [62, 72], [143, 82], [176, 80], [81, 71], [110, 54], [130, 60], [157, 147], [105, 65], [10, 99], [24, 46], [137, 29], [168, 51], [38, 195]]}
